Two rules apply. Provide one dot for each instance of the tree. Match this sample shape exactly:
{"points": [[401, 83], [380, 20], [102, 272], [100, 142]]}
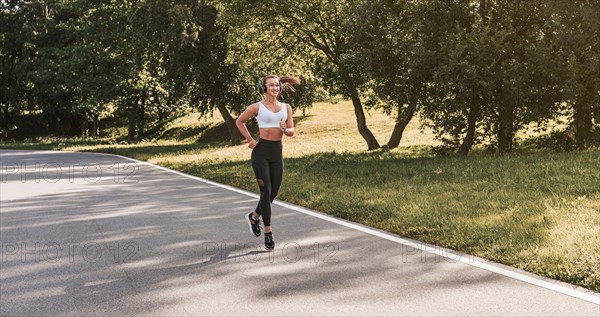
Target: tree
{"points": [[54, 90], [215, 74], [496, 74], [575, 29], [321, 26], [193, 50], [247, 60], [98, 61], [69, 62], [390, 44], [12, 83]]}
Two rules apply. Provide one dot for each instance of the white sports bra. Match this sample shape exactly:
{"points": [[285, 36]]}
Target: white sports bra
{"points": [[268, 119]]}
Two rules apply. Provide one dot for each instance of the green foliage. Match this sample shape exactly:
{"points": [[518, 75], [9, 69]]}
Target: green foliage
{"points": [[261, 46], [576, 38], [12, 82], [496, 69], [564, 140], [478, 71], [324, 29]]}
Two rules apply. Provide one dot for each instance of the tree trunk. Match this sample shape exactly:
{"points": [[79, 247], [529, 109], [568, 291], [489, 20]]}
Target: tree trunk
{"points": [[6, 122], [402, 121], [582, 122], [362, 122], [84, 127], [506, 133], [132, 122], [3, 124], [95, 126], [162, 112], [142, 117], [469, 139], [234, 132]]}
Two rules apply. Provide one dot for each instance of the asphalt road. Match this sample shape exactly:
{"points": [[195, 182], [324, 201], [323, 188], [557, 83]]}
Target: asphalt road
{"points": [[94, 234]]}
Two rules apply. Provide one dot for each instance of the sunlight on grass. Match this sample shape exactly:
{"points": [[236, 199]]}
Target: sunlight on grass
{"points": [[325, 128], [573, 235]]}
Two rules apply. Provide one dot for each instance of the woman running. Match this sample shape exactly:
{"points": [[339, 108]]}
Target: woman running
{"points": [[274, 120]]}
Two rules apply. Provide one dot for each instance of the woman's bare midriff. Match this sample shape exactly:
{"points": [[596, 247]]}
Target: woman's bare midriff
{"points": [[271, 134]]}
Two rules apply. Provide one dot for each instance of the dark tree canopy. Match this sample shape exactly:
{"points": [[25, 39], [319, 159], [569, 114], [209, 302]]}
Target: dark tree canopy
{"points": [[473, 70]]}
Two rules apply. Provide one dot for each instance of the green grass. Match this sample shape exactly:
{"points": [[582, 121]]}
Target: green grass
{"points": [[534, 210]]}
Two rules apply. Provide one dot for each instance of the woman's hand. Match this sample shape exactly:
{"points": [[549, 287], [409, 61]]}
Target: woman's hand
{"points": [[282, 125], [252, 143]]}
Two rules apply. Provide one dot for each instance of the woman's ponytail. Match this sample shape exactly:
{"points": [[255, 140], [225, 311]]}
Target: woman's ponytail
{"points": [[289, 83]]}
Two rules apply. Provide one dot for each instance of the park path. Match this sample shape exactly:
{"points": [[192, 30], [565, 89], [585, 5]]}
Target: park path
{"points": [[96, 234]]}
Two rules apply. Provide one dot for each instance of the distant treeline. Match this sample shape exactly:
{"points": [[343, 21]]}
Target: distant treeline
{"points": [[473, 70]]}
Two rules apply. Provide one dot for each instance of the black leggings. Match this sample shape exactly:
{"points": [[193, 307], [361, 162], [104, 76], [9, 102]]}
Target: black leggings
{"points": [[267, 163]]}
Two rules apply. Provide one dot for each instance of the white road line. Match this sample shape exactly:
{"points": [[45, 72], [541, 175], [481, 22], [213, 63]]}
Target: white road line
{"points": [[588, 296]]}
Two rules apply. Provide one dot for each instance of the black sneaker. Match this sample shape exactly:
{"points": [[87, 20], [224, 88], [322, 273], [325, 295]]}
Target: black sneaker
{"points": [[253, 224], [269, 243]]}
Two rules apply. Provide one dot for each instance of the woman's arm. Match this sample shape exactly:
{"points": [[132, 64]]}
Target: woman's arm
{"points": [[252, 110], [287, 127]]}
